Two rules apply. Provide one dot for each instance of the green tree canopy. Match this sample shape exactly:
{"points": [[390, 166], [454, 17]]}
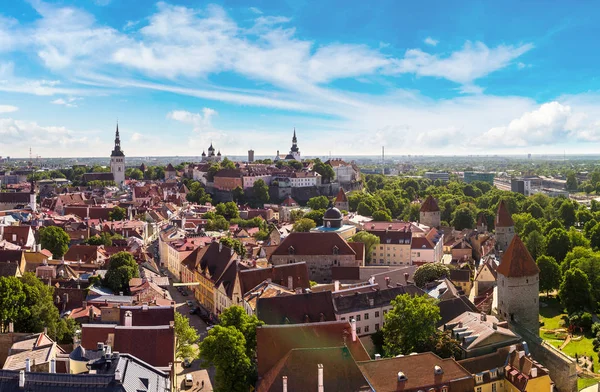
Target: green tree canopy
{"points": [[381, 216], [261, 191], [55, 239], [186, 337], [12, 300], [463, 218], [318, 202], [549, 273], [228, 210], [117, 214], [429, 272], [410, 324], [121, 270], [237, 245], [575, 291], [536, 244], [558, 244], [370, 240], [304, 225], [315, 215], [236, 316]]}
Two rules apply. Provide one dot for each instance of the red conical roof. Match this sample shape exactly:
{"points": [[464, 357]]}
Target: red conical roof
{"points": [[503, 218], [341, 197], [430, 205], [516, 261]]}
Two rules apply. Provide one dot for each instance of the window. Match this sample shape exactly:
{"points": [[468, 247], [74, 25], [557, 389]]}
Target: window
{"points": [[494, 387], [358, 317], [358, 330], [366, 316], [377, 313], [376, 327], [478, 389], [343, 318], [366, 329]]}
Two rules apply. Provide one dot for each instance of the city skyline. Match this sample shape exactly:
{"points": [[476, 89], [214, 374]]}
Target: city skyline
{"points": [[471, 79]]}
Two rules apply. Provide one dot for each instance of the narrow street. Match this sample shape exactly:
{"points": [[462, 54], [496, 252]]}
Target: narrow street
{"points": [[198, 373]]}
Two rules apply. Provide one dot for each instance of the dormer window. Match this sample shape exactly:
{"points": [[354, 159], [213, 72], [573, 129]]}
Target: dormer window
{"points": [[494, 373], [479, 378], [291, 250], [336, 250]]}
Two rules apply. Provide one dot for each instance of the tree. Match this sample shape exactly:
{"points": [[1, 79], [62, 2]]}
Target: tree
{"points": [[326, 171], [186, 338], [549, 273], [370, 240], [225, 349], [315, 215], [12, 300], [55, 239], [567, 213], [382, 216], [304, 225], [296, 215], [535, 210], [318, 203], [429, 272], [229, 210], [261, 191], [227, 164], [575, 291], [463, 218], [237, 246], [594, 235], [576, 238], [572, 183], [364, 209], [117, 214], [236, 316], [536, 244], [219, 223], [135, 174], [238, 195], [410, 324], [121, 270], [558, 244]]}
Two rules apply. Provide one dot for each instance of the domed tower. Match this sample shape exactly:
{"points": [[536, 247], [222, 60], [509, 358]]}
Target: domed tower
{"points": [[430, 214], [117, 161], [505, 227], [518, 286], [332, 219]]}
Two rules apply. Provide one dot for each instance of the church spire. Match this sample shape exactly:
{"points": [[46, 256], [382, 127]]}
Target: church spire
{"points": [[294, 140], [117, 150]]}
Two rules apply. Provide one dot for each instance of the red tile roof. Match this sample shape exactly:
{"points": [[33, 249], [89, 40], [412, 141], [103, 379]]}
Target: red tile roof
{"points": [[430, 205], [314, 244], [296, 309], [275, 341], [278, 274], [516, 261], [341, 197], [503, 217]]}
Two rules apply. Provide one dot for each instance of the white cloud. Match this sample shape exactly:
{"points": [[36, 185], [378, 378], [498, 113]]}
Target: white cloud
{"points": [[130, 24], [255, 10], [70, 102], [430, 41], [551, 123], [136, 137], [201, 121], [8, 108]]}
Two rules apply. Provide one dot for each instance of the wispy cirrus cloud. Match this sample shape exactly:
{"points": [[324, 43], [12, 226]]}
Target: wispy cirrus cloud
{"points": [[8, 108]]}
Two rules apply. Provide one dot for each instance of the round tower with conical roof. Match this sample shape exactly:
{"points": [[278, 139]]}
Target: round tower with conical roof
{"points": [[430, 214], [505, 227], [519, 286]]}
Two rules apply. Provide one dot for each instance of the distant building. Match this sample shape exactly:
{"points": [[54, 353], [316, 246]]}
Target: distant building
{"points": [[332, 223], [294, 154], [211, 157], [341, 201], [117, 161], [442, 176], [430, 214], [471, 176], [505, 227], [170, 172], [250, 156], [521, 185]]}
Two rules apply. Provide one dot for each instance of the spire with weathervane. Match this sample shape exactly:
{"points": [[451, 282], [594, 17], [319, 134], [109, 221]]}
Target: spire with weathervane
{"points": [[117, 161], [294, 143], [117, 151]]}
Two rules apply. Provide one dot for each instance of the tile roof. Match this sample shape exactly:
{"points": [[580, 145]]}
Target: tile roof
{"points": [[503, 217], [314, 244], [265, 289], [373, 299], [275, 341], [296, 309], [345, 273], [474, 330], [419, 372], [516, 261], [278, 274], [85, 253], [10, 256], [454, 307], [300, 366], [341, 196], [460, 275], [148, 315], [14, 197], [20, 233], [56, 382], [430, 205]]}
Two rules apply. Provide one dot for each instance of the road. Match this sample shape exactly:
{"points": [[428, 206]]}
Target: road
{"points": [[198, 373]]}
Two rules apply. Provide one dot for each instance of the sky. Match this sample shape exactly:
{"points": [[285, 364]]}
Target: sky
{"points": [[418, 77]]}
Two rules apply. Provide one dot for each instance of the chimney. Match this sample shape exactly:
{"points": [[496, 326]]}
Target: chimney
{"points": [[353, 327], [483, 317], [27, 365], [320, 385], [22, 379], [533, 372], [128, 319], [291, 282], [387, 281], [284, 381], [495, 325], [377, 356], [53, 365], [118, 376], [336, 286], [14, 238]]}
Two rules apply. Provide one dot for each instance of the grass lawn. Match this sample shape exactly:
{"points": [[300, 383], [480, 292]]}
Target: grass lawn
{"points": [[585, 382], [552, 314]]}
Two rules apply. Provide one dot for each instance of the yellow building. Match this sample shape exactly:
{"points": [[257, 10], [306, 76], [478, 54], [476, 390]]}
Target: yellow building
{"points": [[394, 247], [509, 369]]}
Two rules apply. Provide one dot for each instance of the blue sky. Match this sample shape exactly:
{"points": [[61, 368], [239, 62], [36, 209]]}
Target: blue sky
{"points": [[416, 77]]}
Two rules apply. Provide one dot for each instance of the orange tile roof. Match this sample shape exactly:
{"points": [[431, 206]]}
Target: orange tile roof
{"points": [[430, 205], [503, 218], [516, 261]]}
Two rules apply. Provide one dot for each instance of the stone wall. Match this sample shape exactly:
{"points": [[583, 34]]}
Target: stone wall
{"points": [[431, 219], [563, 369], [518, 300]]}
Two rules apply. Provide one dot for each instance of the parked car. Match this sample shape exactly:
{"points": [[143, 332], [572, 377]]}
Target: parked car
{"points": [[193, 310], [189, 303], [189, 380]]}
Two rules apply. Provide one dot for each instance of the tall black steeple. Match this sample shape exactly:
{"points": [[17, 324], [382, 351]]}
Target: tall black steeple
{"points": [[117, 151], [294, 142]]}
